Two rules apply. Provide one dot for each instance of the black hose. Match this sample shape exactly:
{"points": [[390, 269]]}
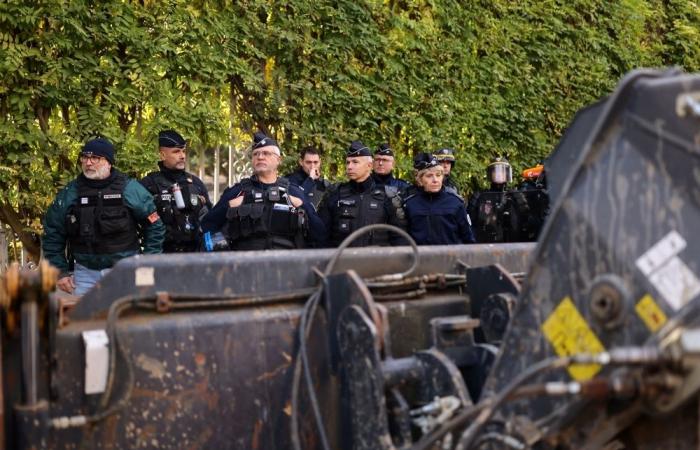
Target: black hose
{"points": [[307, 317], [377, 226], [473, 430]]}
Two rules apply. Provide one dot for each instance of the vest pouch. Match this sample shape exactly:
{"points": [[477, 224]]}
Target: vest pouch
{"points": [[233, 228], [113, 220], [166, 214], [283, 220], [344, 226], [87, 223], [257, 212], [347, 212], [72, 224]]}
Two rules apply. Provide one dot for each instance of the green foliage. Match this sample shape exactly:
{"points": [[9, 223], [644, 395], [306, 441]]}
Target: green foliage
{"points": [[488, 78]]}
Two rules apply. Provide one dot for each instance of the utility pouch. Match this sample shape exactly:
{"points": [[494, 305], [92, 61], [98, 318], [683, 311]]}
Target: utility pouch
{"points": [[71, 224], [233, 230], [256, 215], [113, 221], [87, 223]]}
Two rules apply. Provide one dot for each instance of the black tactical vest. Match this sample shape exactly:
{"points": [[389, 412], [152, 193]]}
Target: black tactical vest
{"points": [[182, 225], [318, 192], [501, 217], [355, 210], [488, 223], [265, 220], [100, 222]]}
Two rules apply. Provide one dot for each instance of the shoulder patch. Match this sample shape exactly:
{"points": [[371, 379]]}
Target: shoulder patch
{"points": [[153, 217]]}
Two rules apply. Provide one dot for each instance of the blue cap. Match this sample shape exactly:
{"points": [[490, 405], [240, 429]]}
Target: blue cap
{"points": [[99, 147]]}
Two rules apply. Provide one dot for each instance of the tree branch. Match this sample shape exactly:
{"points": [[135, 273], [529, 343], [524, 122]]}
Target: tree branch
{"points": [[9, 216]]}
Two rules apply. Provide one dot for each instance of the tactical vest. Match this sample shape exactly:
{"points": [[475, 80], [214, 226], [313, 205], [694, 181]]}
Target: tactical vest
{"points": [[318, 192], [265, 220], [502, 217], [100, 222], [488, 223], [182, 225], [355, 210]]}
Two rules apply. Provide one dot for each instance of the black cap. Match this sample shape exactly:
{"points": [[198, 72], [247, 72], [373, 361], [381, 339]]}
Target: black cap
{"points": [[171, 139], [445, 154], [384, 150], [260, 139], [425, 161], [357, 148], [99, 147]]}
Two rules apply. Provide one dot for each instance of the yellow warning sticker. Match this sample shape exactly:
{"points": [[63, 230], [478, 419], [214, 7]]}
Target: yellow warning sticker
{"points": [[569, 334], [651, 314]]}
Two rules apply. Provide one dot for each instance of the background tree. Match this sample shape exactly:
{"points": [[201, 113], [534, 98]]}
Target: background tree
{"points": [[488, 78]]}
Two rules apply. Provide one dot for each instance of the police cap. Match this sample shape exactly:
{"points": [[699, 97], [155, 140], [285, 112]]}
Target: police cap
{"points": [[445, 154], [424, 161], [384, 150], [357, 148], [171, 139], [260, 140]]}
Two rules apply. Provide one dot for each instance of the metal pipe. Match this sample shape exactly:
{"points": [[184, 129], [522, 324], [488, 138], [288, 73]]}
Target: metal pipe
{"points": [[217, 168], [30, 348], [397, 371]]}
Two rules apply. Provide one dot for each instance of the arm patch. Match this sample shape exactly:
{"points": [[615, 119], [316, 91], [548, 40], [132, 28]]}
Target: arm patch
{"points": [[153, 218]]}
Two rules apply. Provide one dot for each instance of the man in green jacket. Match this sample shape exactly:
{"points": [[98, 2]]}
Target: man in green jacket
{"points": [[97, 219]]}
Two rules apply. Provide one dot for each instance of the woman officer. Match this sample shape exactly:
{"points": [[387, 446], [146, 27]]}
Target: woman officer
{"points": [[435, 216]]}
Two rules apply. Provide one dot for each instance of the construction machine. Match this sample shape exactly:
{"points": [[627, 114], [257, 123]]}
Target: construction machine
{"points": [[589, 338]]}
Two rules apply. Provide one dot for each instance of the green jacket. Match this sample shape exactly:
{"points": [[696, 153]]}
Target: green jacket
{"points": [[54, 241]]}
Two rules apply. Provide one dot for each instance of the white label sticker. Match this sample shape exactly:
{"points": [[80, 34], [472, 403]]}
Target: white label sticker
{"points": [[83, 200], [668, 273], [668, 247], [145, 277], [96, 360]]}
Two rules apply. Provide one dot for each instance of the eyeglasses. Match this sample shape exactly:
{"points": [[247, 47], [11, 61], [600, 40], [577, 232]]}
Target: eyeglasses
{"points": [[92, 158], [382, 160], [263, 154]]}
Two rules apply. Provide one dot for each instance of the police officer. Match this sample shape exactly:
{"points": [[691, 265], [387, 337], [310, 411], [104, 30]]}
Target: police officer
{"points": [[498, 214], [308, 176], [180, 197], [264, 211], [446, 158], [435, 216], [383, 167], [101, 217], [359, 202]]}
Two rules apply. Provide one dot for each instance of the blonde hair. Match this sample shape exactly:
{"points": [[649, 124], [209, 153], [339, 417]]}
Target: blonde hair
{"points": [[420, 173]]}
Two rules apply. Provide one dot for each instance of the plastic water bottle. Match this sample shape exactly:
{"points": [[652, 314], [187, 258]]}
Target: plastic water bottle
{"points": [[177, 193]]}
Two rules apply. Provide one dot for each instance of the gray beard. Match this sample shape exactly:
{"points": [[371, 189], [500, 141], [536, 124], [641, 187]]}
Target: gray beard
{"points": [[100, 173]]}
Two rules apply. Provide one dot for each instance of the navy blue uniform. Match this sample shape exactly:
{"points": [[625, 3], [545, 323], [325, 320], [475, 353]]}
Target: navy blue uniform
{"points": [[351, 205], [437, 218], [390, 180], [450, 186], [215, 220], [314, 189]]}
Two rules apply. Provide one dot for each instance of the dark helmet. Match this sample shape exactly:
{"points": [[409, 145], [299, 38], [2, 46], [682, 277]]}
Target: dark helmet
{"points": [[499, 171], [445, 154]]}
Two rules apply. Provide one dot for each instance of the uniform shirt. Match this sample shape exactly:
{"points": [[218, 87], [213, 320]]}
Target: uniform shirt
{"points": [[55, 238], [390, 180], [216, 218], [328, 211], [437, 218]]}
